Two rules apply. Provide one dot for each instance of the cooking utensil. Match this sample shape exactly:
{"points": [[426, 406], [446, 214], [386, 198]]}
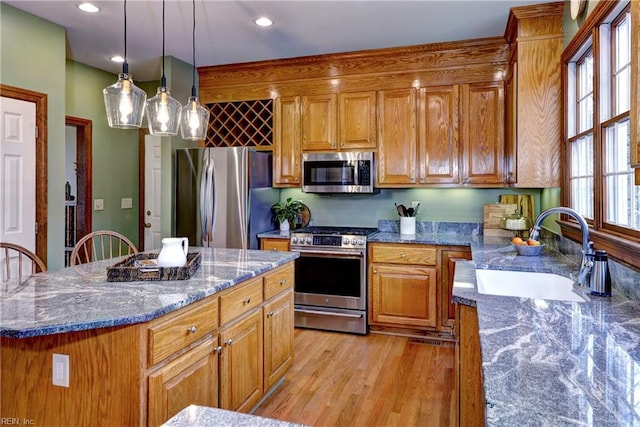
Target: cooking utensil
{"points": [[402, 210], [410, 212]]}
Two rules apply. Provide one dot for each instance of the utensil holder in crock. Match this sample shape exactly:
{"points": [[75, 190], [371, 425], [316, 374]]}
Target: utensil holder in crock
{"points": [[408, 225]]}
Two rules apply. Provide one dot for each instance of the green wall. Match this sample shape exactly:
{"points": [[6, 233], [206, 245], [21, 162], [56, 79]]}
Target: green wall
{"points": [[115, 151], [33, 58]]}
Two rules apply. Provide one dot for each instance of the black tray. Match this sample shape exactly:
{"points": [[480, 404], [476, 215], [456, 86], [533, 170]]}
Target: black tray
{"points": [[142, 267]]}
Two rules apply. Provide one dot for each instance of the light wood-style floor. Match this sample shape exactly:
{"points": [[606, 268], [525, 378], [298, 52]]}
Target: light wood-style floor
{"points": [[374, 380]]}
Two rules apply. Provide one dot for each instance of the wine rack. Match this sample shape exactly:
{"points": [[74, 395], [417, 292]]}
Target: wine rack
{"points": [[240, 124]]}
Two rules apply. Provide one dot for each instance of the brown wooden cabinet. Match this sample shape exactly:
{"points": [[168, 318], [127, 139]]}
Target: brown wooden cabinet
{"points": [[397, 138], [468, 376], [439, 135], [344, 121], [287, 150], [274, 244], [482, 133], [534, 101], [634, 112], [403, 286], [278, 337], [190, 379], [447, 265], [241, 374]]}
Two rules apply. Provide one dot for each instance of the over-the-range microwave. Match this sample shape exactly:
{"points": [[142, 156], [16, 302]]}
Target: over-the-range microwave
{"points": [[342, 172]]}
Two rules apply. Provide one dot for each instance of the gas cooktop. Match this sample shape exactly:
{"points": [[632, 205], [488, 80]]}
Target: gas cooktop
{"points": [[331, 237]]}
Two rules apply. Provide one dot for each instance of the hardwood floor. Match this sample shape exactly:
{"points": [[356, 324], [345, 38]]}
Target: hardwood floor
{"points": [[374, 380]]}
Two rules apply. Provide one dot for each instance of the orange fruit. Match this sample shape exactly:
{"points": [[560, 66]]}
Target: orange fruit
{"points": [[517, 241], [532, 242]]}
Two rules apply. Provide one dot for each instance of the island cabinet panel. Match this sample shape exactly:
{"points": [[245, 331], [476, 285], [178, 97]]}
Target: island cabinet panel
{"points": [[482, 121], [439, 136], [105, 365], [403, 295], [397, 138], [191, 379], [320, 122], [241, 363], [240, 299], [448, 258], [278, 281], [287, 148], [469, 387], [278, 337], [269, 244]]}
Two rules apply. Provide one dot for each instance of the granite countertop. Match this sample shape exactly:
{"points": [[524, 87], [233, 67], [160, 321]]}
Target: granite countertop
{"points": [[80, 297], [553, 363], [275, 234], [202, 416]]}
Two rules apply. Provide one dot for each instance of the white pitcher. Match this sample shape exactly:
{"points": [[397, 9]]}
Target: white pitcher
{"points": [[174, 252]]}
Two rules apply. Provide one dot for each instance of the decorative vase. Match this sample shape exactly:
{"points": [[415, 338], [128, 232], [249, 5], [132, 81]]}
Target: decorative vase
{"points": [[408, 225], [174, 252], [284, 225]]}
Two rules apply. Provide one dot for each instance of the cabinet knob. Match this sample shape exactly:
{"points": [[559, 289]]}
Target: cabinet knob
{"points": [[218, 349], [270, 314], [283, 282], [375, 271], [403, 255], [229, 341], [274, 249], [246, 301], [192, 329]]}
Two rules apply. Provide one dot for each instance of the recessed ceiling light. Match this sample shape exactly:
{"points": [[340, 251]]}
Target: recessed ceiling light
{"points": [[263, 21], [88, 7], [117, 58]]}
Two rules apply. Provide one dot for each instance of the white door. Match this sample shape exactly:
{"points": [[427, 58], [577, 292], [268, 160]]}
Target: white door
{"points": [[18, 173], [152, 193]]}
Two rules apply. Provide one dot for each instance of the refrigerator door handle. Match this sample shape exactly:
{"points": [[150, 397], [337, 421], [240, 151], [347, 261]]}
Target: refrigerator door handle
{"points": [[206, 201]]}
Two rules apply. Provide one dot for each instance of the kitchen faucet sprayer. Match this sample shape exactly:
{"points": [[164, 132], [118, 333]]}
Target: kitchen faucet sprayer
{"points": [[587, 246]]}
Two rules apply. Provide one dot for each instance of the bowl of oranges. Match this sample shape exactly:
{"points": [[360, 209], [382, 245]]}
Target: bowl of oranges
{"points": [[528, 247]]}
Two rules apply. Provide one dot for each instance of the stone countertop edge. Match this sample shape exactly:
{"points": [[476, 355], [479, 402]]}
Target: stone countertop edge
{"points": [[554, 363], [80, 298], [203, 416], [275, 234]]}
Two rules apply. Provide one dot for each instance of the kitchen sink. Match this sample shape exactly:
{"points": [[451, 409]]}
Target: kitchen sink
{"points": [[526, 284]]}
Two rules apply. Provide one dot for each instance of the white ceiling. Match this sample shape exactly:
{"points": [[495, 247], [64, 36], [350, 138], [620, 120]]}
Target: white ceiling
{"points": [[225, 32]]}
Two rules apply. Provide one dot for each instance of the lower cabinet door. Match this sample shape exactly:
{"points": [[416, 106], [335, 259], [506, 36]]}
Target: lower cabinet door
{"points": [[190, 379], [403, 295], [278, 338], [241, 369]]}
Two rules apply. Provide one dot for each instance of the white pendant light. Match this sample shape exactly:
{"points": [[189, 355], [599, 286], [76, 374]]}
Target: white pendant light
{"points": [[163, 111], [123, 100], [195, 117]]}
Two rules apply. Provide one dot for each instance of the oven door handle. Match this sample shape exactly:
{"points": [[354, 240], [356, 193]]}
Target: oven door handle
{"points": [[329, 313], [335, 254]]}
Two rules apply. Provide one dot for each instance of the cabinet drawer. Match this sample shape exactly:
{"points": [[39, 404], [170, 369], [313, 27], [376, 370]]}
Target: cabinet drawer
{"points": [[281, 245], [403, 254], [238, 301], [278, 281], [181, 329]]}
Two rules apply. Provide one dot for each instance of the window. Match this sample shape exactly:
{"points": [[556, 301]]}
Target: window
{"points": [[600, 182]]}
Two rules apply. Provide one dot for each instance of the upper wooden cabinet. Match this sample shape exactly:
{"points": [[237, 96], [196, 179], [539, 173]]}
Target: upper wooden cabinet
{"points": [[482, 133], [438, 135], [397, 136], [345, 121], [534, 95], [287, 153]]}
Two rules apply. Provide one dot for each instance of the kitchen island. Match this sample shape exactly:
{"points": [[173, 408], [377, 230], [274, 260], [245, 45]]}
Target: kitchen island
{"points": [[132, 353]]}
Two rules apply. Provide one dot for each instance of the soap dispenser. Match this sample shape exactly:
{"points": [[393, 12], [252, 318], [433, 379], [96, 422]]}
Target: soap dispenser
{"points": [[600, 281]]}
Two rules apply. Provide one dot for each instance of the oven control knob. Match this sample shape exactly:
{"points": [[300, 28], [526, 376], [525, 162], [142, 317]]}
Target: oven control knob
{"points": [[307, 240], [294, 240], [353, 241], [345, 241], [360, 242]]}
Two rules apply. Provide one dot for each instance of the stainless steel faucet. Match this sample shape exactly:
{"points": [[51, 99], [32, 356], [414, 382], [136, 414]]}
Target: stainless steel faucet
{"points": [[587, 245]]}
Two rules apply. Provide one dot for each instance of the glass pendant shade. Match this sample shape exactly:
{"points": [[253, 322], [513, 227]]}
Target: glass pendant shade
{"points": [[124, 103], [195, 117], [163, 113]]}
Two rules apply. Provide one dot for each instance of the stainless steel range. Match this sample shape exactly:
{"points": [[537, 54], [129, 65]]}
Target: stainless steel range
{"points": [[331, 278]]}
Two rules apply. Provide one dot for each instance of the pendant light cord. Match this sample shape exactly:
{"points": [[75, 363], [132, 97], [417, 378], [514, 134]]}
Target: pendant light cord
{"points": [[193, 45], [164, 78], [125, 66]]}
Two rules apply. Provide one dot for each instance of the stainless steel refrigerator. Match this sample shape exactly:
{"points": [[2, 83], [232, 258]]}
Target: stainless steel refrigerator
{"points": [[223, 196]]}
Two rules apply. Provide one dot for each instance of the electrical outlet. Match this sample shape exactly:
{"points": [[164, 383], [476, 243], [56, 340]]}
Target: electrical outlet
{"points": [[60, 370], [126, 203], [98, 204]]}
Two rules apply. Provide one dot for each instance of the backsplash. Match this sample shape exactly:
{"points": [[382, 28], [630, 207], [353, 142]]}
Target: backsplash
{"points": [[434, 227]]}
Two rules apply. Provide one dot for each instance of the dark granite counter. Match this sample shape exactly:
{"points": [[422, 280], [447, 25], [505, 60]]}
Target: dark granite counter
{"points": [[202, 416], [80, 298]]}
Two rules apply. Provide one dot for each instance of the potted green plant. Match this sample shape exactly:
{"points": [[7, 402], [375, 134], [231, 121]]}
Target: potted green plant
{"points": [[286, 213]]}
